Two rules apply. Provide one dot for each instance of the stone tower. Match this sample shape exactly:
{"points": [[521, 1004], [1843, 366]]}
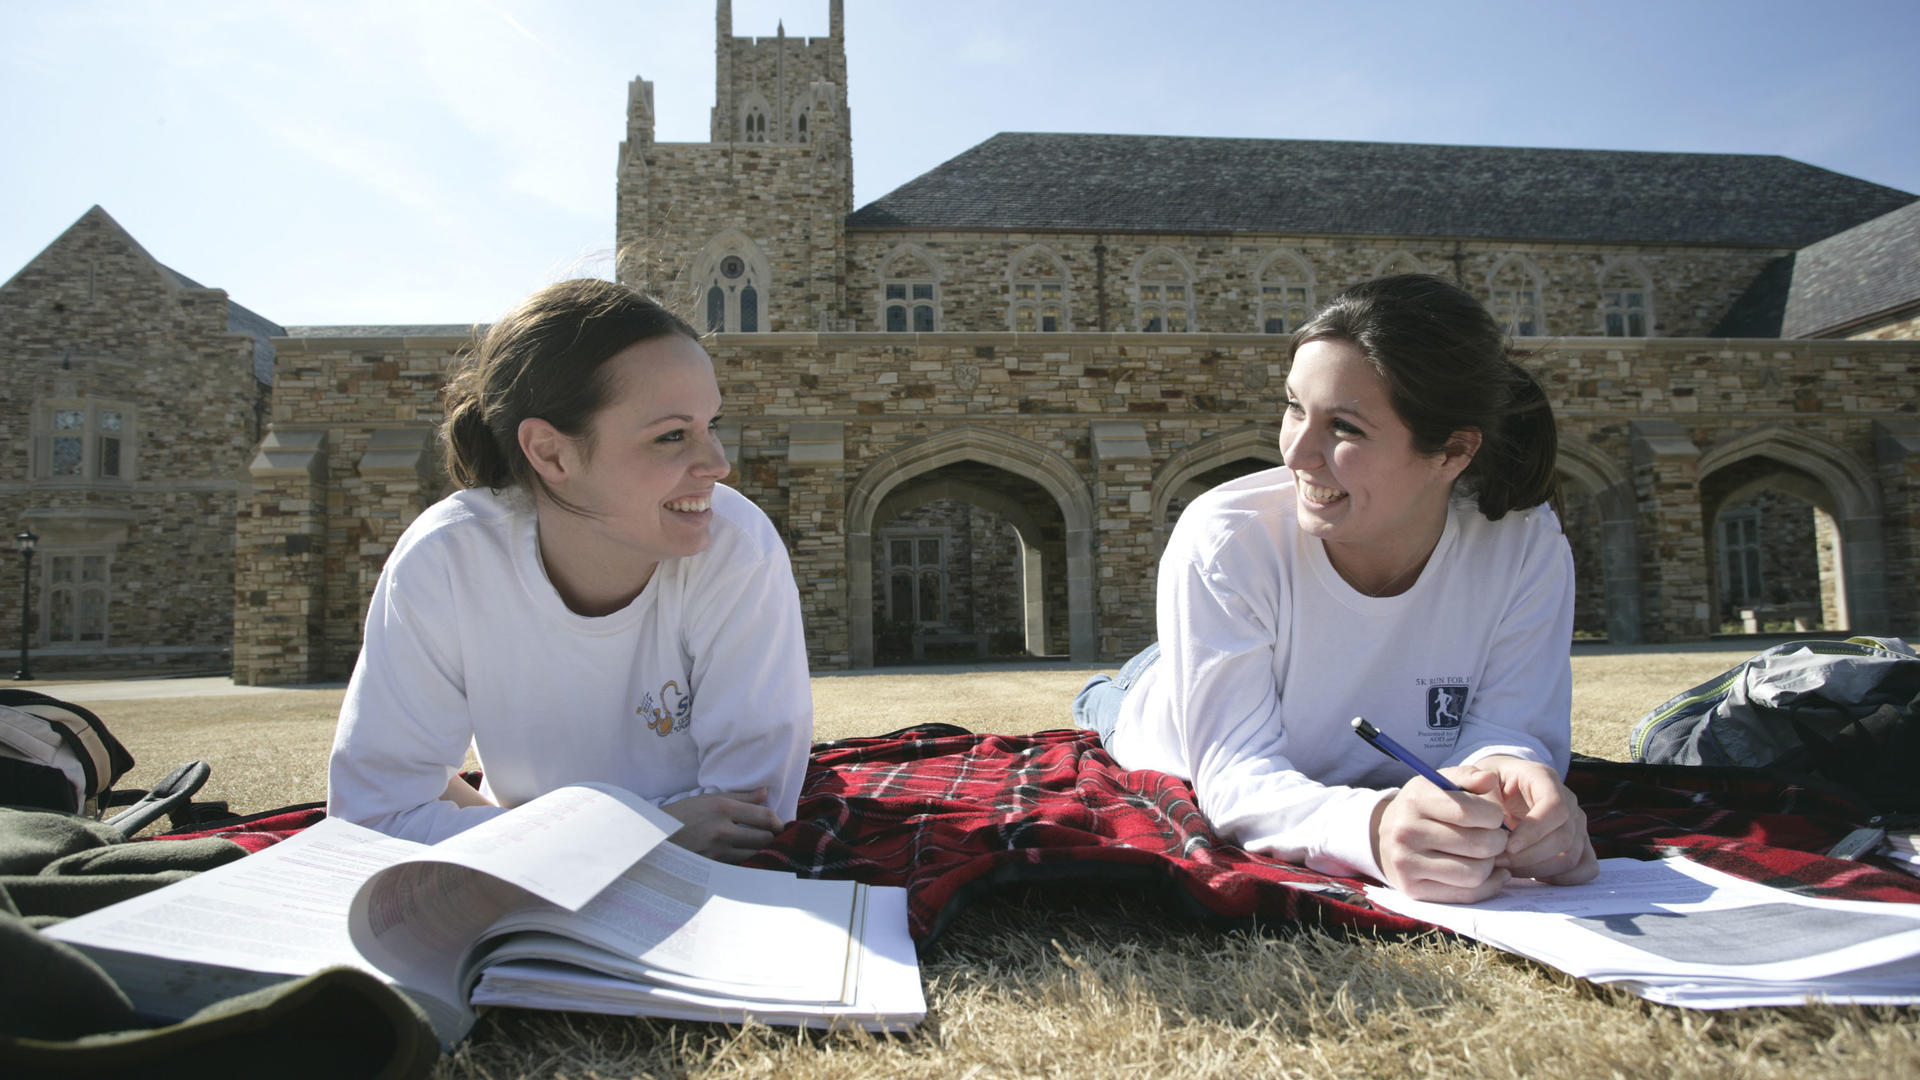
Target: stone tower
{"points": [[747, 232]]}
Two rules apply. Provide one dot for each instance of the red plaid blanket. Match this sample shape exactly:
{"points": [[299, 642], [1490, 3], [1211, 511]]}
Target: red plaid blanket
{"points": [[258, 831], [949, 814]]}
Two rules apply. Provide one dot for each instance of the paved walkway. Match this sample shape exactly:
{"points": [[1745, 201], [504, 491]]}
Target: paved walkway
{"points": [[205, 685], [140, 689]]}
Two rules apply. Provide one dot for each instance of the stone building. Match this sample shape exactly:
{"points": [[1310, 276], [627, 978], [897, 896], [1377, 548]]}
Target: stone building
{"points": [[975, 406], [1027, 279], [134, 400]]}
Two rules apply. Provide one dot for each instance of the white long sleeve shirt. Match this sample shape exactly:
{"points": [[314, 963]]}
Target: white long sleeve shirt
{"points": [[699, 685], [1267, 654]]}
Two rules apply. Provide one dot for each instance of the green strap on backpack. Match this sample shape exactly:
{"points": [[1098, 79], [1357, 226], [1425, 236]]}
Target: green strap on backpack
{"points": [[1837, 713]]}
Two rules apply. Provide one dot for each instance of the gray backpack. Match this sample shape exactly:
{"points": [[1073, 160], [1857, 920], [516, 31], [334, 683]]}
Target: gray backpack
{"points": [[1835, 714], [56, 755]]}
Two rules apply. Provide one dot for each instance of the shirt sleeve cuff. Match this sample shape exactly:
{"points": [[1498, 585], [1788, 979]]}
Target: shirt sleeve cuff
{"points": [[1348, 850], [1523, 752]]}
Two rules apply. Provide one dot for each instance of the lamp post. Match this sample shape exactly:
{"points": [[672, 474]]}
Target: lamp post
{"points": [[26, 542]]}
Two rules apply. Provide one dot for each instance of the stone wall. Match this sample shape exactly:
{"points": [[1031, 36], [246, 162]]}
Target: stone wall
{"points": [[1896, 442], [1690, 287], [1905, 328], [94, 325], [349, 462], [1098, 431], [1580, 517]]}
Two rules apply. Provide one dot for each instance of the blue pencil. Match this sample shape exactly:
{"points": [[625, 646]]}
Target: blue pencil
{"points": [[1380, 741]]}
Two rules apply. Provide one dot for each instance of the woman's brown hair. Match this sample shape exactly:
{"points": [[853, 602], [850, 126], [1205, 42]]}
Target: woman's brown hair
{"points": [[547, 360], [1448, 367]]}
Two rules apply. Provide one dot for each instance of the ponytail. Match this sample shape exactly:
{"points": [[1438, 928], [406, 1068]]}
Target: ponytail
{"points": [[1516, 466], [474, 456]]}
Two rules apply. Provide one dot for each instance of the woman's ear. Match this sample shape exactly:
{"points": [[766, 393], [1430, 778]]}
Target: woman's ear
{"points": [[1459, 451], [548, 450]]}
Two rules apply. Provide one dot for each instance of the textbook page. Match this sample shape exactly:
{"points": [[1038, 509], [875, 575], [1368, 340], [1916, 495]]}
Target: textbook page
{"points": [[681, 919], [417, 919], [1678, 932], [277, 914], [884, 995]]}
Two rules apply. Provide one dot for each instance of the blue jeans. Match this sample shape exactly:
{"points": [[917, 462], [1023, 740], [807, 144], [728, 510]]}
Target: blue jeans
{"points": [[1096, 707]]}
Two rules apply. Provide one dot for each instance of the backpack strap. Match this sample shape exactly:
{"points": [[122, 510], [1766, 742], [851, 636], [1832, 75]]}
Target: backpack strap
{"points": [[1664, 734], [101, 756]]}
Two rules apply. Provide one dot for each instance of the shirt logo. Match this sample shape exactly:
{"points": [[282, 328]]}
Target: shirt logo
{"points": [[671, 712], [1445, 706]]}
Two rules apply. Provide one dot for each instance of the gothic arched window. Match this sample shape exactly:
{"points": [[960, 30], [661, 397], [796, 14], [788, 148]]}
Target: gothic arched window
{"points": [[910, 291], [1163, 287], [1513, 291], [1399, 262], [1037, 292], [753, 118], [1284, 284], [1626, 301], [733, 276]]}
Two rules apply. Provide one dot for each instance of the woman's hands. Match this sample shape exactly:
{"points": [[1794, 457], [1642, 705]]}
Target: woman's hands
{"points": [[1442, 845], [728, 826], [1549, 840], [461, 793], [1449, 847]]}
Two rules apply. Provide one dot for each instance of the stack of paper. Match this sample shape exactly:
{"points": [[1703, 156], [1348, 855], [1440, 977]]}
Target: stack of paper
{"points": [[1900, 851], [735, 957], [1679, 933]]}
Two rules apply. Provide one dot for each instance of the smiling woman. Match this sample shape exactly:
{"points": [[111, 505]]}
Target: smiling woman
{"points": [[592, 606], [1404, 566]]}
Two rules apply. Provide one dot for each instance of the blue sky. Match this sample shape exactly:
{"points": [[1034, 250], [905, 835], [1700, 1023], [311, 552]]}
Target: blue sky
{"points": [[427, 161]]}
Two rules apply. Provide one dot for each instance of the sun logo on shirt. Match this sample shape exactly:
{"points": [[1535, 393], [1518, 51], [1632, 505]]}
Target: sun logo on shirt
{"points": [[671, 712]]}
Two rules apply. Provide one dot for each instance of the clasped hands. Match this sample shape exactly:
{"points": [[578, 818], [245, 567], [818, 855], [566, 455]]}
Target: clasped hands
{"points": [[1448, 846], [728, 826]]}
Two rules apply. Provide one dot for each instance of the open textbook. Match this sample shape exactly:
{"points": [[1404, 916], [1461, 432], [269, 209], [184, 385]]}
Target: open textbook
{"points": [[571, 901], [1678, 933]]}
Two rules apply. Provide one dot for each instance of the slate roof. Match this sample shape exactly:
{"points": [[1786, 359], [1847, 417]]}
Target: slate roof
{"points": [[1868, 270], [401, 331], [243, 321], [1153, 183]]}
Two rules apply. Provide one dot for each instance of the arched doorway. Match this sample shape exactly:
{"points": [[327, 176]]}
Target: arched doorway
{"points": [[1793, 534], [1008, 461], [1210, 462], [968, 560]]}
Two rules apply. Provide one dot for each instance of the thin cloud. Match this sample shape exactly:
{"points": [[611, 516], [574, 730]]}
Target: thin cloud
{"points": [[525, 99], [991, 50]]}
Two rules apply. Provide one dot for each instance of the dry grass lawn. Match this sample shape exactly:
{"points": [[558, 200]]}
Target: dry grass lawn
{"points": [[1043, 983]]}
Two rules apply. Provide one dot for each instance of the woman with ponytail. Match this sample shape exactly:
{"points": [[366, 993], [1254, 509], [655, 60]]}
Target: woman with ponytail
{"points": [[592, 605], [1406, 565]]}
